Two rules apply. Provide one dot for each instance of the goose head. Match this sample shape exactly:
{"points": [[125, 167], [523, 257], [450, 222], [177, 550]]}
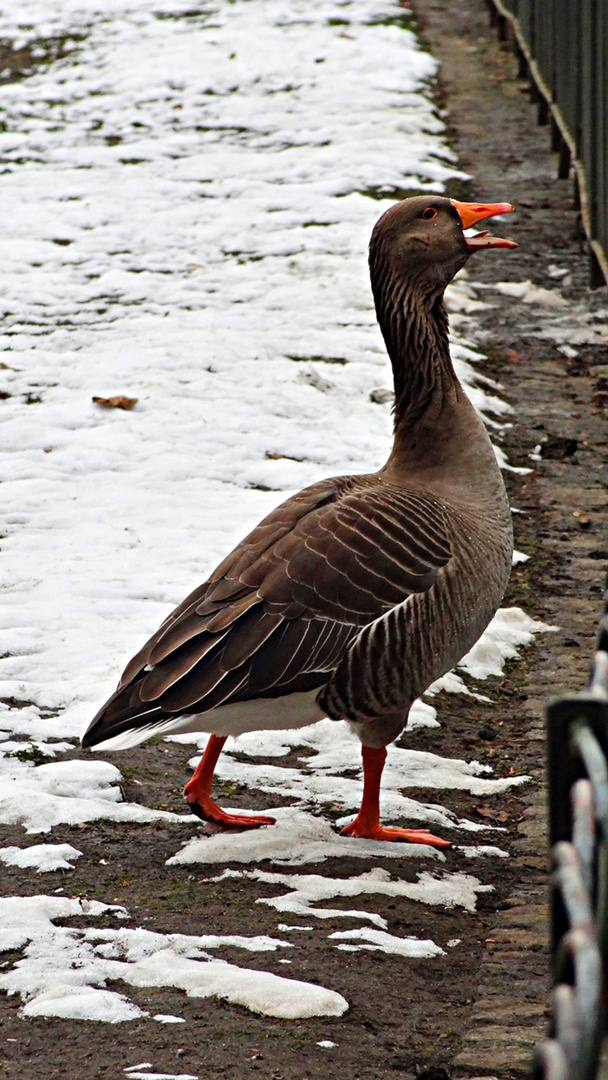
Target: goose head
{"points": [[422, 241]]}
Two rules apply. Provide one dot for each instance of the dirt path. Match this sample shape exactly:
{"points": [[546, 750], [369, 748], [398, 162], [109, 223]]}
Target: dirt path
{"points": [[558, 401], [475, 1011]]}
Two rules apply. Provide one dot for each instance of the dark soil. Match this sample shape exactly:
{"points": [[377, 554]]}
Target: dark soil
{"points": [[385, 1033], [407, 1019]]}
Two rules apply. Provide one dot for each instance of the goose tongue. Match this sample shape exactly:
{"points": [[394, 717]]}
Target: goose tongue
{"points": [[471, 213]]}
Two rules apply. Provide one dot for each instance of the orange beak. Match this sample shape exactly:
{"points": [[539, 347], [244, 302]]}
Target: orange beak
{"points": [[471, 213]]}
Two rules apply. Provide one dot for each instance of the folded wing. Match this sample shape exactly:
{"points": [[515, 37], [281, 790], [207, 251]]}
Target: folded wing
{"points": [[279, 612]]}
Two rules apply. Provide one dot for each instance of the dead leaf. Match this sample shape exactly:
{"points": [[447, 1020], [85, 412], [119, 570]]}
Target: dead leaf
{"points": [[117, 402], [492, 815]]}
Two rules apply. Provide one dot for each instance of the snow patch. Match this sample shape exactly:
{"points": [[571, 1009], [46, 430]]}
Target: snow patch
{"points": [[530, 293], [482, 851], [509, 630], [68, 792], [135, 1075], [306, 890], [381, 941], [44, 857], [297, 838], [63, 970]]}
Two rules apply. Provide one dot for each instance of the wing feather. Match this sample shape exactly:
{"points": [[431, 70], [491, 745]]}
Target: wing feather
{"points": [[281, 610], [177, 665]]}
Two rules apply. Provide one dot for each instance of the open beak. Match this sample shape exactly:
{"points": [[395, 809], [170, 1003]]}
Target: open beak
{"points": [[471, 213]]}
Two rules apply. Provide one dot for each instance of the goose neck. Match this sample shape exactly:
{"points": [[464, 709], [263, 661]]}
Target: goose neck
{"points": [[415, 330]]}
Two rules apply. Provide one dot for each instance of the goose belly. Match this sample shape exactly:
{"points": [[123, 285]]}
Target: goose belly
{"points": [[259, 714]]}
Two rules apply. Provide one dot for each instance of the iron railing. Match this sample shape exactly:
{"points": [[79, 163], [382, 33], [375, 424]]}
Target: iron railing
{"points": [[562, 46], [577, 740]]}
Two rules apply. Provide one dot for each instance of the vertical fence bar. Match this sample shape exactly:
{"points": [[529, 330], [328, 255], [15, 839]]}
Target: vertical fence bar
{"points": [[577, 743], [567, 79], [600, 181], [562, 46], [587, 148]]}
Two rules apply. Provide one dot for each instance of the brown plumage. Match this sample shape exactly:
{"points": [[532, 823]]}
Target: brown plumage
{"points": [[354, 595]]}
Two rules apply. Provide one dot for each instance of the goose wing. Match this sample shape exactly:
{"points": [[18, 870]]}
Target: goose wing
{"points": [[278, 613]]}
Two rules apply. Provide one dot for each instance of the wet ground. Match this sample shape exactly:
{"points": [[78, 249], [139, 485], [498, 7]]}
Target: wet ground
{"points": [[475, 1011]]}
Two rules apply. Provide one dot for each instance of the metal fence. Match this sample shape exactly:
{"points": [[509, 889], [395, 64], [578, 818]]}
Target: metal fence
{"points": [[577, 739], [562, 47]]}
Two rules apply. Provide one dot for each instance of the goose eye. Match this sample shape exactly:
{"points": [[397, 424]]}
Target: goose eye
{"points": [[429, 213]]}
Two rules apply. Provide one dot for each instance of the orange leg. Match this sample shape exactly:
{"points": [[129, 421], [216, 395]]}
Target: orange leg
{"points": [[198, 793], [367, 822]]}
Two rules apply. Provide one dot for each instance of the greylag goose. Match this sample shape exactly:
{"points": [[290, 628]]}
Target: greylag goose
{"points": [[354, 595]]}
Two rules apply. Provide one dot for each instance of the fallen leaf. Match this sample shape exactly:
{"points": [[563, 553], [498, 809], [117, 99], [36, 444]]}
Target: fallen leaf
{"points": [[492, 815], [117, 402]]}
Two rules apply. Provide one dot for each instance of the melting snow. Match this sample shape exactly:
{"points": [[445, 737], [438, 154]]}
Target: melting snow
{"points": [[189, 216], [67, 792], [43, 857], [447, 890], [247, 157], [134, 1075], [195, 190], [530, 294], [388, 943], [297, 838], [509, 630], [63, 969], [482, 851]]}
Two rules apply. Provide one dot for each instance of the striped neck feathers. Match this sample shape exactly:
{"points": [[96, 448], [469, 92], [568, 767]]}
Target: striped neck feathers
{"points": [[414, 324]]}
